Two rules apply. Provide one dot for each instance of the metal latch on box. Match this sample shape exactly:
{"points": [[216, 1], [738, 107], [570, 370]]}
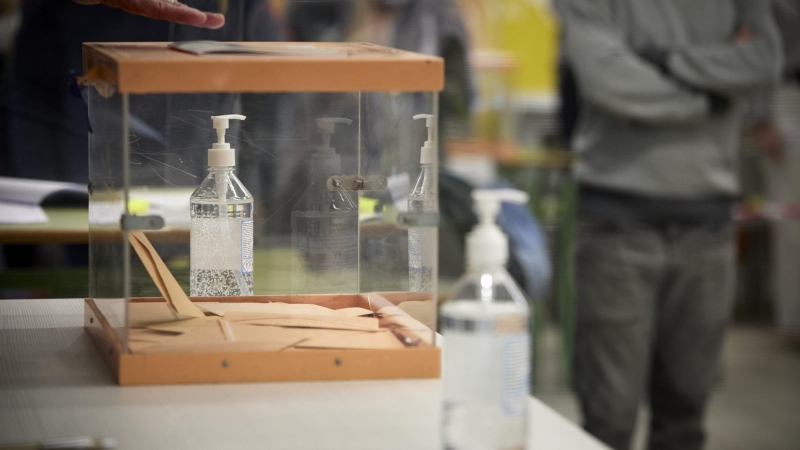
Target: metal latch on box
{"points": [[130, 222], [418, 219], [356, 183]]}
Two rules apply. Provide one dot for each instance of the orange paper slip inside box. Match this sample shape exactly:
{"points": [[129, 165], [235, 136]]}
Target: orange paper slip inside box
{"points": [[297, 309], [182, 326], [140, 315], [379, 340], [284, 320], [220, 309], [234, 338]]}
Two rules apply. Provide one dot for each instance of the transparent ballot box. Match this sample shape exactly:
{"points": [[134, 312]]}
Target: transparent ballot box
{"points": [[265, 213]]}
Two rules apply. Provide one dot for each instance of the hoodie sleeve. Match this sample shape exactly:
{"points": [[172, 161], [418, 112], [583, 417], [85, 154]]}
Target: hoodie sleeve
{"points": [[731, 67], [613, 78]]}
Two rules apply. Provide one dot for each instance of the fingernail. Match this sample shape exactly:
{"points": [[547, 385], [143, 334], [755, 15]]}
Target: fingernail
{"points": [[215, 17]]}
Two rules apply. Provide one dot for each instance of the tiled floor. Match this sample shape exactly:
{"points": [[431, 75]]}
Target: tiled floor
{"points": [[755, 407]]}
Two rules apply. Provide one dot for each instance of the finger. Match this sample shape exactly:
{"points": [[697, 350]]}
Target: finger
{"points": [[214, 21], [164, 10], [173, 12], [177, 11]]}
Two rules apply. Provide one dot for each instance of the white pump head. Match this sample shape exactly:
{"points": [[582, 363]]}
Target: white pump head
{"points": [[326, 127], [221, 154], [487, 246], [428, 153], [325, 160]]}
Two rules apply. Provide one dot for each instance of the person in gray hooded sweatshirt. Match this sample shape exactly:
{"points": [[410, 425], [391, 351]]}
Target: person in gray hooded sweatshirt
{"points": [[660, 85]]}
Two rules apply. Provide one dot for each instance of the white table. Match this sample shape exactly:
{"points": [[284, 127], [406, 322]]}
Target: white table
{"points": [[54, 384]]}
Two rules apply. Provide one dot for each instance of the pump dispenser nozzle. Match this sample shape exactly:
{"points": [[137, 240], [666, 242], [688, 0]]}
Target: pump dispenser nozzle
{"points": [[221, 154], [486, 243], [325, 160], [326, 127], [428, 153]]}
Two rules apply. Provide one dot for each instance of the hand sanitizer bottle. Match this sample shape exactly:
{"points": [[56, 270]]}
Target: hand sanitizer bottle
{"points": [[325, 225], [221, 238], [486, 341], [423, 198]]}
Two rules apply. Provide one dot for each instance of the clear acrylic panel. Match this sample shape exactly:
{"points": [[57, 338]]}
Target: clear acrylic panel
{"points": [[331, 176], [389, 276], [107, 248]]}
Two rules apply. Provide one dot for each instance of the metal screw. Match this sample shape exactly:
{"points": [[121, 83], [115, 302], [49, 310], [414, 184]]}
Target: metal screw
{"points": [[338, 361], [224, 363]]}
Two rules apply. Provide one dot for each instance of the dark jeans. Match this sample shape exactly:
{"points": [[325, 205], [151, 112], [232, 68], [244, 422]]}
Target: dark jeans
{"points": [[652, 305]]}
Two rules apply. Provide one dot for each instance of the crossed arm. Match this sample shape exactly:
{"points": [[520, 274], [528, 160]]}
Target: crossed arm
{"points": [[752, 58], [677, 85]]}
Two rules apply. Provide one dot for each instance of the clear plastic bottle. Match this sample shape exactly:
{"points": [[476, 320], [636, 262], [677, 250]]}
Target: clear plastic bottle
{"points": [[487, 343], [422, 248], [325, 226], [221, 237]]}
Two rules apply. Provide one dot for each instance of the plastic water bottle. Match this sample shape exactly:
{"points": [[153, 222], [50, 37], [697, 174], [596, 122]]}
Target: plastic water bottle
{"points": [[422, 249], [487, 342], [221, 237], [325, 225]]}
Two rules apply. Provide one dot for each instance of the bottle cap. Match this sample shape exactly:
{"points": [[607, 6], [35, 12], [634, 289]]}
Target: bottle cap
{"points": [[487, 245], [221, 154], [428, 153], [324, 160]]}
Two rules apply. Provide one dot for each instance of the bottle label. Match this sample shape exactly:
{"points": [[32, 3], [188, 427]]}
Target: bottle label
{"points": [[516, 373], [415, 248], [247, 246], [487, 361], [333, 243], [422, 248]]}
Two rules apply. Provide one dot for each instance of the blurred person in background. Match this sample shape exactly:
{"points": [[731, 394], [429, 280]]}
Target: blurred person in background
{"points": [[48, 123], [9, 20], [776, 112], [661, 85], [432, 27]]}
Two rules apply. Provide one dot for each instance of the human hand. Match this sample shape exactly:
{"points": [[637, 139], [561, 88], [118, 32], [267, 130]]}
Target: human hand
{"points": [[171, 10], [719, 104], [769, 141], [658, 57], [743, 34]]}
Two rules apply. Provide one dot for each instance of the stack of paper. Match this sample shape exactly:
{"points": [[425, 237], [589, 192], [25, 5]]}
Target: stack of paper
{"points": [[242, 327], [20, 198], [178, 324]]}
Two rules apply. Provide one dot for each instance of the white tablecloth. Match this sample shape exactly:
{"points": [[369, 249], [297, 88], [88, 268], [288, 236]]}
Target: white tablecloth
{"points": [[54, 384]]}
